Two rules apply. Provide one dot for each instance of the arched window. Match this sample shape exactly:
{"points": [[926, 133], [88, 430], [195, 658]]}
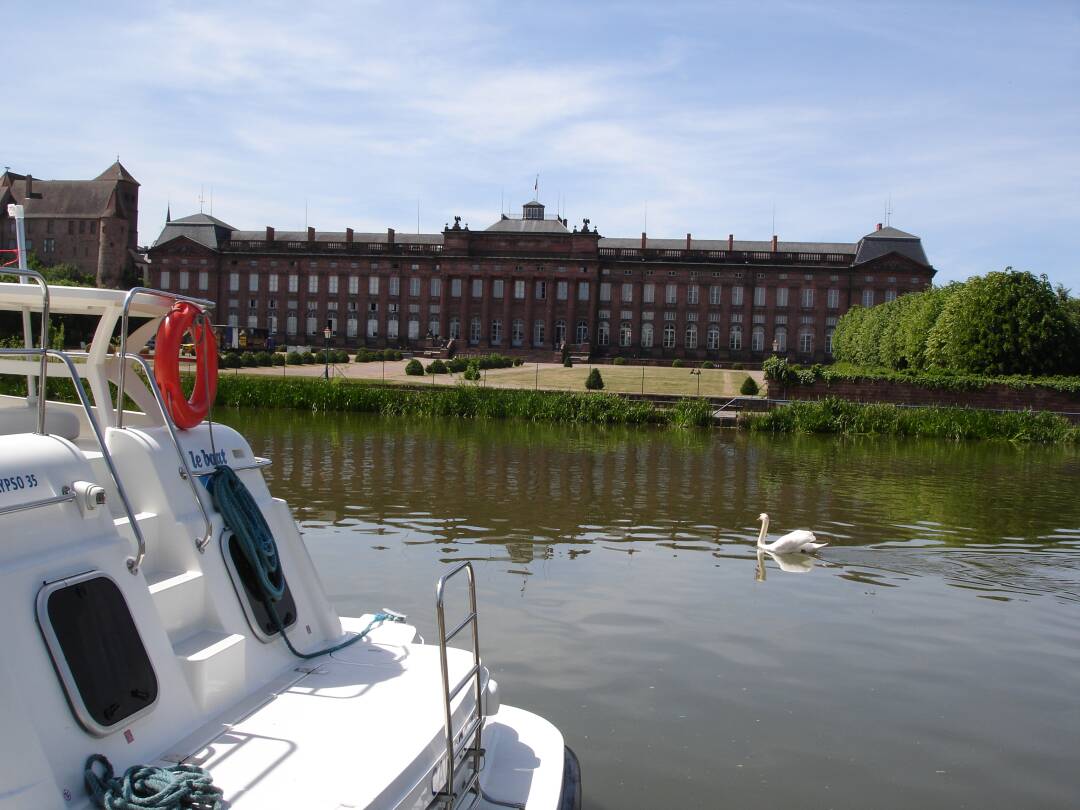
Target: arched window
{"points": [[757, 339], [603, 334], [560, 332], [517, 332], [646, 335], [669, 336], [713, 337], [626, 334], [828, 341], [735, 337], [474, 331], [496, 332], [581, 334], [691, 336], [806, 341], [780, 340]]}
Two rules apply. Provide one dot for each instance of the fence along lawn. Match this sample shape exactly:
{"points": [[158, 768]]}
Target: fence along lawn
{"points": [[552, 376]]}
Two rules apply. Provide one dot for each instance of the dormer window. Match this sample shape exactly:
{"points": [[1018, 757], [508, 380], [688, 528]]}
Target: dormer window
{"points": [[532, 210]]}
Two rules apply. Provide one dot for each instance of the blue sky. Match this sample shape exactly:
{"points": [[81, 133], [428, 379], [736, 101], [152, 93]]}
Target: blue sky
{"points": [[709, 116]]}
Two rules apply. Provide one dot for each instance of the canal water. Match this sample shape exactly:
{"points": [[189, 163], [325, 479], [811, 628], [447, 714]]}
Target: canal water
{"points": [[929, 658]]}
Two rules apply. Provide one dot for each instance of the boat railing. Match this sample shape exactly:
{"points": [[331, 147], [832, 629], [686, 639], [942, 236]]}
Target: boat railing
{"points": [[135, 562], [185, 470], [465, 743], [23, 273], [132, 294]]}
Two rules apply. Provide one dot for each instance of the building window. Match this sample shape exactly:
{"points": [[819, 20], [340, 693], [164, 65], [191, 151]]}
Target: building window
{"points": [[435, 287], [433, 327], [272, 282], [253, 282], [828, 341], [294, 282], [392, 328], [204, 280], [497, 288], [626, 334], [373, 285], [691, 336], [234, 282], [496, 332], [474, 331], [868, 297], [692, 294], [736, 296], [538, 333], [807, 297], [414, 286], [670, 294], [477, 288], [561, 290], [519, 290], [455, 328], [290, 325], [581, 333], [669, 335], [455, 288], [648, 293], [603, 334], [164, 282], [781, 296], [560, 332], [833, 300], [759, 296], [806, 341], [312, 324], [351, 325], [757, 339], [605, 290], [735, 337], [890, 295], [354, 285], [712, 337], [627, 293], [583, 291], [373, 327], [313, 284], [517, 332], [714, 295], [540, 290], [395, 290], [184, 278], [646, 335]]}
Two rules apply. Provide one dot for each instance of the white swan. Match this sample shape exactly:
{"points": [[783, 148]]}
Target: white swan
{"points": [[796, 541]]}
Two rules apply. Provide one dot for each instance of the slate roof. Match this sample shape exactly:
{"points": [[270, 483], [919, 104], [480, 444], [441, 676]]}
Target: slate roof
{"points": [[117, 172], [512, 225], [739, 244], [339, 236], [890, 240], [202, 228]]}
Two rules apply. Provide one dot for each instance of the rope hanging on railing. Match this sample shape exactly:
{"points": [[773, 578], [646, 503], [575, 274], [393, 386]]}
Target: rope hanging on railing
{"points": [[144, 787], [14, 261], [244, 518]]}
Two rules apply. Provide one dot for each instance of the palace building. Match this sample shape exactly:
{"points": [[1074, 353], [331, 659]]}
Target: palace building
{"points": [[92, 224], [527, 285]]}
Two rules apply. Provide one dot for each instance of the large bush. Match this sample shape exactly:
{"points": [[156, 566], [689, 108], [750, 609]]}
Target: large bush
{"points": [[594, 382], [414, 368], [749, 388]]}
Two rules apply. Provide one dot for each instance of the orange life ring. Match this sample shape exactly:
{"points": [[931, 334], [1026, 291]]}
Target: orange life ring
{"points": [[186, 413]]}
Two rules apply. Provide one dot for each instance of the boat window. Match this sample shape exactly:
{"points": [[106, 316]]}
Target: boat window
{"points": [[97, 650]]}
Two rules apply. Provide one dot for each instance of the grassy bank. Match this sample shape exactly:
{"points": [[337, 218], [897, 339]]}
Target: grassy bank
{"points": [[457, 401], [852, 418]]}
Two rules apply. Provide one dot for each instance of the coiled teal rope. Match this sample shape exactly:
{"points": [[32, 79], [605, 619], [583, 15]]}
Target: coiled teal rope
{"points": [[143, 787], [243, 516]]}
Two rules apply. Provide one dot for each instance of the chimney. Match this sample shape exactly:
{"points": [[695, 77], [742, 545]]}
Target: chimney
{"points": [[269, 234], [878, 228], [644, 241], [311, 234], [348, 236], [390, 236], [688, 241], [731, 241], [774, 243]]}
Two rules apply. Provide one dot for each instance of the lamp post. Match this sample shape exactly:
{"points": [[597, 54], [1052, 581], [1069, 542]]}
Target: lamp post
{"points": [[326, 351]]}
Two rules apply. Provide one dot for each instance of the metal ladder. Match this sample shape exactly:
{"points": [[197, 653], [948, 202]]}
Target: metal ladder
{"points": [[464, 753]]}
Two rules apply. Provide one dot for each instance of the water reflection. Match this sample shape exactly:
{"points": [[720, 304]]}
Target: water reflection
{"points": [[796, 563]]}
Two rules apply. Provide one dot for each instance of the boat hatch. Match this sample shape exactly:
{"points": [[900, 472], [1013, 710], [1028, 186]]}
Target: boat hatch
{"points": [[97, 651]]}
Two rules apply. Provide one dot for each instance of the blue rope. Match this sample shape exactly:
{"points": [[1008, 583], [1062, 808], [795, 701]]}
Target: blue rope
{"points": [[244, 518], [143, 787]]}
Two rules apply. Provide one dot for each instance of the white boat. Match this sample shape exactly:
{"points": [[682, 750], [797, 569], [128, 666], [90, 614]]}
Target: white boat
{"points": [[135, 628]]}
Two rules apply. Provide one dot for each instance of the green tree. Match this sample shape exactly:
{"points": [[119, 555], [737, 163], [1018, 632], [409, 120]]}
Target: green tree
{"points": [[594, 382]]}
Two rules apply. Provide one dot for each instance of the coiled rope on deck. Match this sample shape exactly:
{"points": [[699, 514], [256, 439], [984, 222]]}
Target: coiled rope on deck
{"points": [[244, 518], [144, 787]]}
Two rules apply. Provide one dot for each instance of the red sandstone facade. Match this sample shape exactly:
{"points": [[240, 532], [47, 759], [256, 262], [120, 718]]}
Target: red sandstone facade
{"points": [[92, 224], [525, 286]]}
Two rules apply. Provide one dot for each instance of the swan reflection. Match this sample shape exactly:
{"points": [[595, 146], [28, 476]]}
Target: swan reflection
{"points": [[797, 563]]}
